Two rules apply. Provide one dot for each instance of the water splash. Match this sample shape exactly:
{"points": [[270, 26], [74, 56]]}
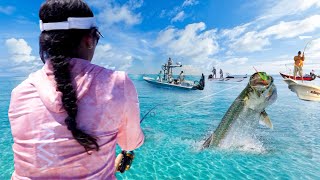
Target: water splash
{"points": [[242, 133]]}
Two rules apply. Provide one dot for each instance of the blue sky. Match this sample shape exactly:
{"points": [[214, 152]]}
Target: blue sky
{"points": [[140, 35]]}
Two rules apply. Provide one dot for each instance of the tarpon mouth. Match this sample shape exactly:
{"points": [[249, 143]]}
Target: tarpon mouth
{"points": [[260, 81]]}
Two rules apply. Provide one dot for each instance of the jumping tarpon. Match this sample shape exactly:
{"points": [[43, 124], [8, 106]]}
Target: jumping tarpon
{"points": [[246, 111]]}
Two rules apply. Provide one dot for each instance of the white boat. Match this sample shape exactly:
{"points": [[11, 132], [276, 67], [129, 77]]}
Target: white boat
{"points": [[304, 91], [167, 79], [228, 78], [185, 85]]}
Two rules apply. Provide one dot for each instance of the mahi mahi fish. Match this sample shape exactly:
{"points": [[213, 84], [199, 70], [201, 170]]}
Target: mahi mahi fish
{"points": [[246, 111]]}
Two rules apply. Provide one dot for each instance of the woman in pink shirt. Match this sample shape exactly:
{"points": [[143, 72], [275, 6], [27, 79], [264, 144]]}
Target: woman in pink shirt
{"points": [[67, 118]]}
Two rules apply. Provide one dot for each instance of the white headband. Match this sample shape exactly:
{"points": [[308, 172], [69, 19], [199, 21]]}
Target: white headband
{"points": [[72, 23]]}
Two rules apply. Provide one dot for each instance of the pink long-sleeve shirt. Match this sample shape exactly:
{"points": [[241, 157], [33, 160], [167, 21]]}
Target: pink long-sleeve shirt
{"points": [[44, 148]]}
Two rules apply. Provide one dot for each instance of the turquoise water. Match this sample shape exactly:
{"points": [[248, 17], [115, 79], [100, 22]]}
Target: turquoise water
{"points": [[174, 134]]}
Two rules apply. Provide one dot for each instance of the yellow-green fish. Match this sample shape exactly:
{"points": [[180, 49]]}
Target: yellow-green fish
{"points": [[246, 111]]}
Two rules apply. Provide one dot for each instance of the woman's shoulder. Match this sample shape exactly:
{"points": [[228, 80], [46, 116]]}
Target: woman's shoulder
{"points": [[107, 76], [106, 73], [25, 86]]}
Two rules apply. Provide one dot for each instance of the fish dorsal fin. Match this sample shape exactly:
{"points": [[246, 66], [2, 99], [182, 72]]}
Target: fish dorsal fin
{"points": [[264, 118]]}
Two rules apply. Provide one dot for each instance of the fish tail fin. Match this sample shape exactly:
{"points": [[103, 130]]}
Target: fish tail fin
{"points": [[207, 143]]}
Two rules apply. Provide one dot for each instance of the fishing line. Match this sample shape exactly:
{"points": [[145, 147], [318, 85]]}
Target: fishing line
{"points": [[208, 96], [186, 104]]}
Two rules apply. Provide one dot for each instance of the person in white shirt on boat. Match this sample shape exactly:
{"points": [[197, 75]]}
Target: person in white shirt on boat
{"points": [[170, 79], [221, 74], [159, 78], [170, 62], [181, 77]]}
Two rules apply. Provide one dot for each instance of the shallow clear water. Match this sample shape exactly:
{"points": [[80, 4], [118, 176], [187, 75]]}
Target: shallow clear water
{"points": [[174, 135]]}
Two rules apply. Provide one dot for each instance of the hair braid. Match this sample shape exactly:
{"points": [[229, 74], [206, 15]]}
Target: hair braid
{"points": [[69, 101], [58, 46]]}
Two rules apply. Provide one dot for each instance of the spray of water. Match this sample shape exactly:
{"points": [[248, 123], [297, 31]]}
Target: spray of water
{"points": [[242, 133]]}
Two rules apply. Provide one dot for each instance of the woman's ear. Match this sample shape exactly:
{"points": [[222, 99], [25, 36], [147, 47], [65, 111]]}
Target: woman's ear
{"points": [[86, 48], [87, 42], [90, 42]]}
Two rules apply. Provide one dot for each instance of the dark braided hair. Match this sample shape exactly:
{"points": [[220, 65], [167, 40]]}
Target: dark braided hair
{"points": [[59, 46]]}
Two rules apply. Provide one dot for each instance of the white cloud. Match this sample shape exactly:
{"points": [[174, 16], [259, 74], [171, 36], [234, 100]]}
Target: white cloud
{"points": [[234, 32], [19, 50], [190, 3], [280, 8], [236, 61], [111, 58], [120, 15], [253, 41], [304, 37], [233, 65], [112, 13], [191, 69], [177, 13], [192, 42], [122, 46], [293, 28], [134, 4], [170, 13], [7, 9], [179, 17], [250, 42], [165, 36]]}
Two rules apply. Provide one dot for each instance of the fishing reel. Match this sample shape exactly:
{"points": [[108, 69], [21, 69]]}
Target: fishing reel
{"points": [[126, 161]]}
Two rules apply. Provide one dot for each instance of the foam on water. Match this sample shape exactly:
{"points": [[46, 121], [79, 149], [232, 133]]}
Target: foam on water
{"points": [[242, 133]]}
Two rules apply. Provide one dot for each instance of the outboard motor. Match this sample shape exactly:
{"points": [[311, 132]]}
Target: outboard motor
{"points": [[200, 85]]}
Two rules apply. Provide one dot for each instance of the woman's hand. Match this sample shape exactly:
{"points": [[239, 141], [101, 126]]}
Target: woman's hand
{"points": [[117, 162]]}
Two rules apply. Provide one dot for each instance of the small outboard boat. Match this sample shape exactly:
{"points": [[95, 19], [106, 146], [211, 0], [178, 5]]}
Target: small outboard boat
{"points": [[306, 77], [229, 77]]}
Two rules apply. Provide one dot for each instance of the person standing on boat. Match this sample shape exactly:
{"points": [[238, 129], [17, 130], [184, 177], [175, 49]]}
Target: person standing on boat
{"points": [[214, 73], [160, 76], [221, 74], [298, 64], [170, 62], [181, 77]]}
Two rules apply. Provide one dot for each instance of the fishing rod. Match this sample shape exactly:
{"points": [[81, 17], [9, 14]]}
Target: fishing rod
{"points": [[307, 45], [148, 113]]}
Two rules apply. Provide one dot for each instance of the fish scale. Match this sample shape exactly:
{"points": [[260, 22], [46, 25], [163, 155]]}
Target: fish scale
{"points": [[232, 113]]}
